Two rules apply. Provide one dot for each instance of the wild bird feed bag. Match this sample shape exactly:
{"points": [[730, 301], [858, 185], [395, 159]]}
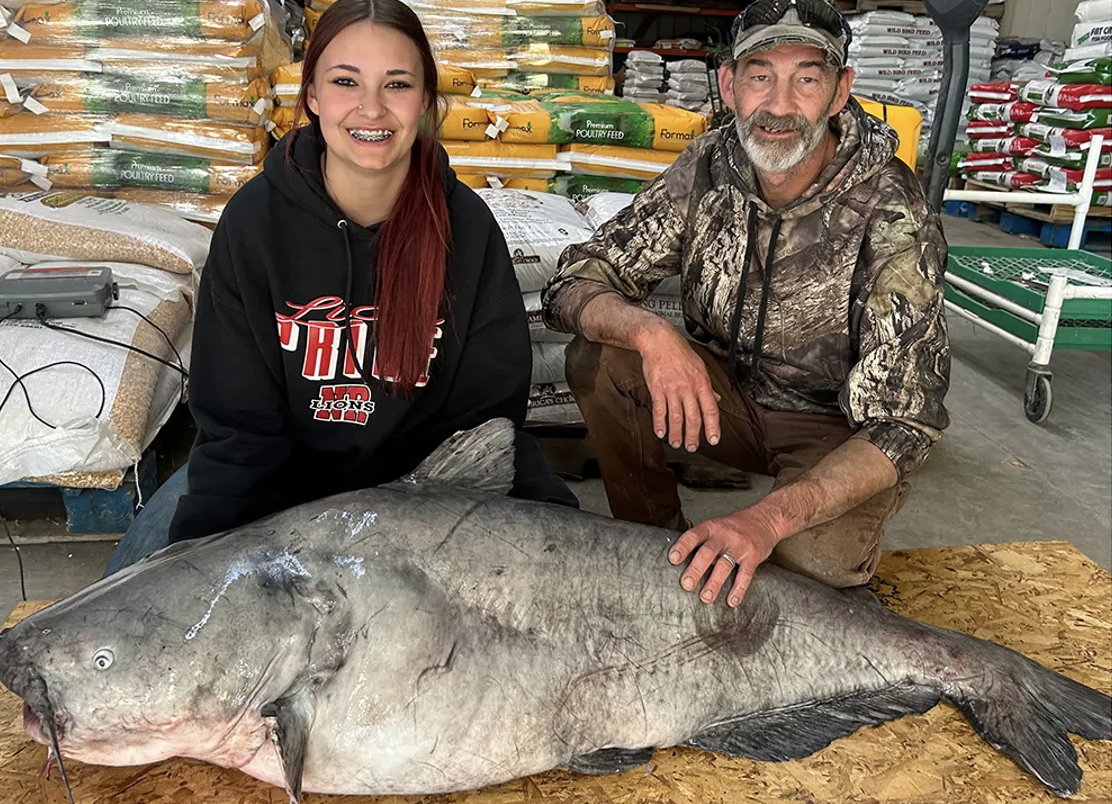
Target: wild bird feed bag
{"points": [[538, 227], [607, 160], [91, 433], [37, 226], [110, 169]]}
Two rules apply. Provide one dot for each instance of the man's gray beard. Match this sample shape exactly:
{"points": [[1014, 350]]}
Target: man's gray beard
{"points": [[773, 158]]}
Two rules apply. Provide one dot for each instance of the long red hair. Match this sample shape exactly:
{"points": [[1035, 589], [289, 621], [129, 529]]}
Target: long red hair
{"points": [[413, 241]]}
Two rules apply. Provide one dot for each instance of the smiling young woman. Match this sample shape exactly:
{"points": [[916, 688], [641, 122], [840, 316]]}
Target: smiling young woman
{"points": [[358, 307]]}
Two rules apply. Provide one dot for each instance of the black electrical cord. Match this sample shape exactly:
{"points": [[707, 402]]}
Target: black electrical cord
{"points": [[18, 557], [40, 313], [181, 363]]}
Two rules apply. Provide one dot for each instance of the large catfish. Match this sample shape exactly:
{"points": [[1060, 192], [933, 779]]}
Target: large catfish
{"points": [[435, 635]]}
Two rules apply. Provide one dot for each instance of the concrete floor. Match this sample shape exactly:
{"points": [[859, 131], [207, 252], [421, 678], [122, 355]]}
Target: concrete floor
{"points": [[994, 477]]}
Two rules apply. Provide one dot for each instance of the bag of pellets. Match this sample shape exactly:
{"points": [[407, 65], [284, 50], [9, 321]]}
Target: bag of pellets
{"points": [[109, 169], [1066, 118], [599, 208], [1076, 97], [538, 332], [511, 31], [230, 102], [531, 83], [49, 225], [600, 121], [464, 120], [84, 21], [198, 207], [545, 58], [493, 158], [548, 362], [91, 413], [225, 142], [552, 403], [609, 160], [538, 227], [454, 80], [1085, 71]]}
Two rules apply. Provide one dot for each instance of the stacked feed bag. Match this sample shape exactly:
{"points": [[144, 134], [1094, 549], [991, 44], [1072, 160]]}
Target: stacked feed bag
{"points": [[540, 44], [87, 408], [644, 77], [538, 228], [1038, 134], [606, 138], [899, 58], [688, 85], [159, 97], [1092, 35]]}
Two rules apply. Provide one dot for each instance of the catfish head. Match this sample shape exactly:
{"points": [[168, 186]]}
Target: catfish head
{"points": [[179, 655]]}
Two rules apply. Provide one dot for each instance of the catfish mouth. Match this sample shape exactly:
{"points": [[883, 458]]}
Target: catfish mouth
{"points": [[43, 724]]}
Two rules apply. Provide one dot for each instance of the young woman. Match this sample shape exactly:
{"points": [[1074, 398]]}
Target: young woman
{"points": [[358, 306]]}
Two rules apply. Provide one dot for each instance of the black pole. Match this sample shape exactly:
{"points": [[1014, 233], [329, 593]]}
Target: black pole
{"points": [[947, 115], [954, 18]]}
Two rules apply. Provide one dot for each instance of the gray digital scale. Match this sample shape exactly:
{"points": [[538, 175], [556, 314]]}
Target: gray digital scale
{"points": [[71, 291]]}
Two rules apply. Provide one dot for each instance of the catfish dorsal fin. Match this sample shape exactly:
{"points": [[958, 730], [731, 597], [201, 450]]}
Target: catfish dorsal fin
{"points": [[481, 459]]}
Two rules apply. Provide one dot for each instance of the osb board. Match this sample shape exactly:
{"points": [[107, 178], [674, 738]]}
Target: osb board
{"points": [[1043, 599]]}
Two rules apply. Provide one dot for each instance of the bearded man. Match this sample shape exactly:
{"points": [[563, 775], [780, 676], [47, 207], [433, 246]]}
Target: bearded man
{"points": [[811, 270]]}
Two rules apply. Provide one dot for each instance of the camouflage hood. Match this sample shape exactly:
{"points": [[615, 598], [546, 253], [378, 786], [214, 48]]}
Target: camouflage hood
{"points": [[830, 305]]}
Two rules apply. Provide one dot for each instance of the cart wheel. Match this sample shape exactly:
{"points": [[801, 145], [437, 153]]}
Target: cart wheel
{"points": [[1038, 399]]}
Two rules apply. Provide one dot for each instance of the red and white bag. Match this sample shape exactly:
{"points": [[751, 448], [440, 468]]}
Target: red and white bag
{"points": [[1076, 97], [1011, 146], [990, 163], [994, 92], [1013, 179], [1014, 112], [988, 129], [1062, 140]]}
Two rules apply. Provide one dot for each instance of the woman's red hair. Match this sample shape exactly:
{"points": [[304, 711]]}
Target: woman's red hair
{"points": [[413, 241]]}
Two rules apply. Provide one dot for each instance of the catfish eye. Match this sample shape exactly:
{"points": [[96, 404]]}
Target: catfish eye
{"points": [[103, 659]]}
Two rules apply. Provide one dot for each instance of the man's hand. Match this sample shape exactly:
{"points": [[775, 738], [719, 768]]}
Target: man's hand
{"points": [[744, 539], [677, 379]]}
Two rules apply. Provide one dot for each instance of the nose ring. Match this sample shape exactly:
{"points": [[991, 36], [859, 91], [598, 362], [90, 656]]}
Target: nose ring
{"points": [[361, 107]]}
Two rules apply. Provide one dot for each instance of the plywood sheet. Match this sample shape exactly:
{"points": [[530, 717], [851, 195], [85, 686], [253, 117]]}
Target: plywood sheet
{"points": [[1044, 599]]}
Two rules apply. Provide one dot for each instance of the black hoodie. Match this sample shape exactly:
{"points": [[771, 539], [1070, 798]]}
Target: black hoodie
{"points": [[282, 415]]}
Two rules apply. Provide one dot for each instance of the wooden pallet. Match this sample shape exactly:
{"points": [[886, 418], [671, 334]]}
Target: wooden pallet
{"points": [[1059, 213]]}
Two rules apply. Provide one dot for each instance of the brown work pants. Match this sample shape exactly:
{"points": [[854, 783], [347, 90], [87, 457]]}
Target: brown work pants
{"points": [[610, 390]]}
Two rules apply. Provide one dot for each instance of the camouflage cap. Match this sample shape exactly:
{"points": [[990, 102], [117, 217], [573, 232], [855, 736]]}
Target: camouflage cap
{"points": [[769, 23]]}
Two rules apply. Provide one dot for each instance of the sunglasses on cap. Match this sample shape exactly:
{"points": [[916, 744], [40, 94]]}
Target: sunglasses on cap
{"points": [[817, 14]]}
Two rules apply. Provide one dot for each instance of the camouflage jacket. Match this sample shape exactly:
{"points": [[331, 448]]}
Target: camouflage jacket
{"points": [[854, 323]]}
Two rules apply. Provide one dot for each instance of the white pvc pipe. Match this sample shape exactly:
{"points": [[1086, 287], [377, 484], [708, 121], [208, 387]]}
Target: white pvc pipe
{"points": [[1051, 312], [974, 289], [995, 330], [1085, 192], [1087, 292], [1015, 197]]}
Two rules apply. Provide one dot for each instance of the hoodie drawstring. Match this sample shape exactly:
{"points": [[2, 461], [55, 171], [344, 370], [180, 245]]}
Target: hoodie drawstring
{"points": [[345, 227], [766, 287]]}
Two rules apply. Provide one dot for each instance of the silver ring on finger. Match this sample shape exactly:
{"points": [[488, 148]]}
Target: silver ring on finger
{"points": [[726, 557]]}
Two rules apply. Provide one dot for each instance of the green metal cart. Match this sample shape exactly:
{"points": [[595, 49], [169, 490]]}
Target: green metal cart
{"points": [[1038, 299]]}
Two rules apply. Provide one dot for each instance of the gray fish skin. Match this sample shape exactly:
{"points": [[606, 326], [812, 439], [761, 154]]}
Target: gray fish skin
{"points": [[425, 638]]}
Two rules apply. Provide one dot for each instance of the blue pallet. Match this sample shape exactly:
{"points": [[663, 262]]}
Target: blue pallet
{"points": [[100, 510]]}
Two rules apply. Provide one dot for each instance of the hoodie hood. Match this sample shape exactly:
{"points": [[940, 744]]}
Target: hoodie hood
{"points": [[293, 167], [866, 144]]}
